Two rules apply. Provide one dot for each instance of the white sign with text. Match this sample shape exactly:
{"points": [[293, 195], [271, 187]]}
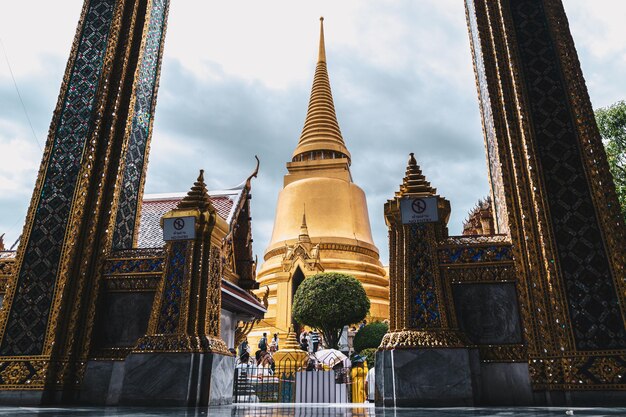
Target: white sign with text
{"points": [[419, 210], [179, 228]]}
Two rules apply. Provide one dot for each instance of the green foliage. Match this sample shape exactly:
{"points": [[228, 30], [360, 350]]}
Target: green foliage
{"points": [[370, 355], [369, 336], [612, 125], [328, 302]]}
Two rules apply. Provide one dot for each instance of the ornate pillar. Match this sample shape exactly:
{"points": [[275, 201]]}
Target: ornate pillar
{"points": [[424, 359], [553, 195], [182, 351], [47, 315]]}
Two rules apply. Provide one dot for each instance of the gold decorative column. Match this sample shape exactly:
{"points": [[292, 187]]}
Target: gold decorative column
{"points": [[424, 360], [418, 315], [182, 355], [186, 312]]}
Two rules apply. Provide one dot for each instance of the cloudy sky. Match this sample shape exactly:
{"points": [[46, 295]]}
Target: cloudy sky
{"points": [[236, 79]]}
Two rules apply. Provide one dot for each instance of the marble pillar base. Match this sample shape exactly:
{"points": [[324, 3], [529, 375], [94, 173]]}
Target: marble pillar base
{"points": [[26, 397], [177, 379], [505, 384], [102, 384], [429, 377]]}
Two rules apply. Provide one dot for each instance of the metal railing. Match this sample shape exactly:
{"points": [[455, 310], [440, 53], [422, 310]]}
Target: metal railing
{"points": [[298, 380]]}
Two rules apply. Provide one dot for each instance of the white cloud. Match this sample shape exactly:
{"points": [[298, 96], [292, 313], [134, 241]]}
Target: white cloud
{"points": [[236, 79]]}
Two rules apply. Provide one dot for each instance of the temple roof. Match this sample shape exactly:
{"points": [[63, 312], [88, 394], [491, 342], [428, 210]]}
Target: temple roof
{"points": [[321, 130], [156, 205]]}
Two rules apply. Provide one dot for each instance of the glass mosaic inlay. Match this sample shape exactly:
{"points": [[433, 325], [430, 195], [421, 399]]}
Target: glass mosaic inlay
{"points": [[28, 319], [139, 137], [582, 258]]}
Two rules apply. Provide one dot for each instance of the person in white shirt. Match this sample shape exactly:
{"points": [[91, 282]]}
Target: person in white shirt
{"points": [[370, 384]]}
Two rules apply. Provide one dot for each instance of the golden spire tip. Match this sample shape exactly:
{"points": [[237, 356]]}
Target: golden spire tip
{"points": [[322, 53]]}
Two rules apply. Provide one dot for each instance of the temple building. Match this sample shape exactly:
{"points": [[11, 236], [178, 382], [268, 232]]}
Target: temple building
{"points": [[321, 221]]}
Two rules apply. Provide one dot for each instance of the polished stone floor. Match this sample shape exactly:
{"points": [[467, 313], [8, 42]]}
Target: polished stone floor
{"points": [[309, 410]]}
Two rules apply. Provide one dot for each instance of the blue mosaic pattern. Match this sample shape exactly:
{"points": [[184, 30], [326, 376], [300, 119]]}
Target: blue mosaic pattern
{"points": [[424, 309], [129, 266], [30, 310], [475, 254], [140, 131], [169, 314], [592, 298]]}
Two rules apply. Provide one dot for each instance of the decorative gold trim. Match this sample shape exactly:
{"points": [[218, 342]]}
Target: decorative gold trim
{"points": [[416, 339], [178, 343], [503, 353], [328, 246]]}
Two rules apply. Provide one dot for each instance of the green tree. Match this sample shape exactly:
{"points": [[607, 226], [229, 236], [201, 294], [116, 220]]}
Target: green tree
{"points": [[369, 336], [612, 125], [328, 302]]}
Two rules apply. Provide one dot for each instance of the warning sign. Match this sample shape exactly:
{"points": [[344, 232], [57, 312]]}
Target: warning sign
{"points": [[179, 228], [419, 210]]}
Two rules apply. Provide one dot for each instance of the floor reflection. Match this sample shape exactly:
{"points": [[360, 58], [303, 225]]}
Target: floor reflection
{"points": [[309, 410]]}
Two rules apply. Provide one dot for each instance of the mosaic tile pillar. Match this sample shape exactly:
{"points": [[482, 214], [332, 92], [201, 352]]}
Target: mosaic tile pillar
{"points": [[47, 315], [553, 193], [182, 354], [424, 360], [418, 316], [186, 312]]}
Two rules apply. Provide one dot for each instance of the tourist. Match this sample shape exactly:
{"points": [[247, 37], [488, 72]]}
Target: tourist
{"points": [[274, 343], [357, 375], [304, 341], [370, 384], [263, 343], [363, 324], [314, 341], [244, 351]]}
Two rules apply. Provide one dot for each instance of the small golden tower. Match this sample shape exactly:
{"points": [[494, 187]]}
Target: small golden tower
{"points": [[334, 234]]}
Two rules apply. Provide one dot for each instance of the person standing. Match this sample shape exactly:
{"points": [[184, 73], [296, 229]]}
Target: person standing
{"points": [[263, 343], [357, 375], [315, 340], [304, 342], [244, 351], [370, 384], [274, 343]]}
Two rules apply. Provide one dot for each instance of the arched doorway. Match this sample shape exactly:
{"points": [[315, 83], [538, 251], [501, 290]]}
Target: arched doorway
{"points": [[296, 280]]}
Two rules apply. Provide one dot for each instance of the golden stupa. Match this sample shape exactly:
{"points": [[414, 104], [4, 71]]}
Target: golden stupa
{"points": [[322, 222]]}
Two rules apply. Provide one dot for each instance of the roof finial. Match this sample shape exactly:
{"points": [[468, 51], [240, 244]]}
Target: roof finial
{"points": [[414, 181], [322, 53], [198, 197], [304, 230]]}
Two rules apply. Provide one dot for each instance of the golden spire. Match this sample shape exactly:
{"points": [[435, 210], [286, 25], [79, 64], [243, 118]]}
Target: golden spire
{"points": [[322, 54], [304, 230], [414, 181], [321, 129], [197, 197]]}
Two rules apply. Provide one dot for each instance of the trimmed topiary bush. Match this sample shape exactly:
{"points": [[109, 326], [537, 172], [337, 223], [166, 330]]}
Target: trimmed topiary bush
{"points": [[369, 336], [329, 301]]}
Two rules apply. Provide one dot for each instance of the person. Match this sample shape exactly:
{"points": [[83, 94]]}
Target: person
{"points": [[244, 351], [363, 324], [304, 342], [310, 365], [315, 340], [263, 343], [274, 343], [357, 375], [370, 384]]}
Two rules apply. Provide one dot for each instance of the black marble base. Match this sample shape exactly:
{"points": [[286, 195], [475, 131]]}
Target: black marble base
{"points": [[427, 378], [102, 384], [505, 384], [177, 379]]}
